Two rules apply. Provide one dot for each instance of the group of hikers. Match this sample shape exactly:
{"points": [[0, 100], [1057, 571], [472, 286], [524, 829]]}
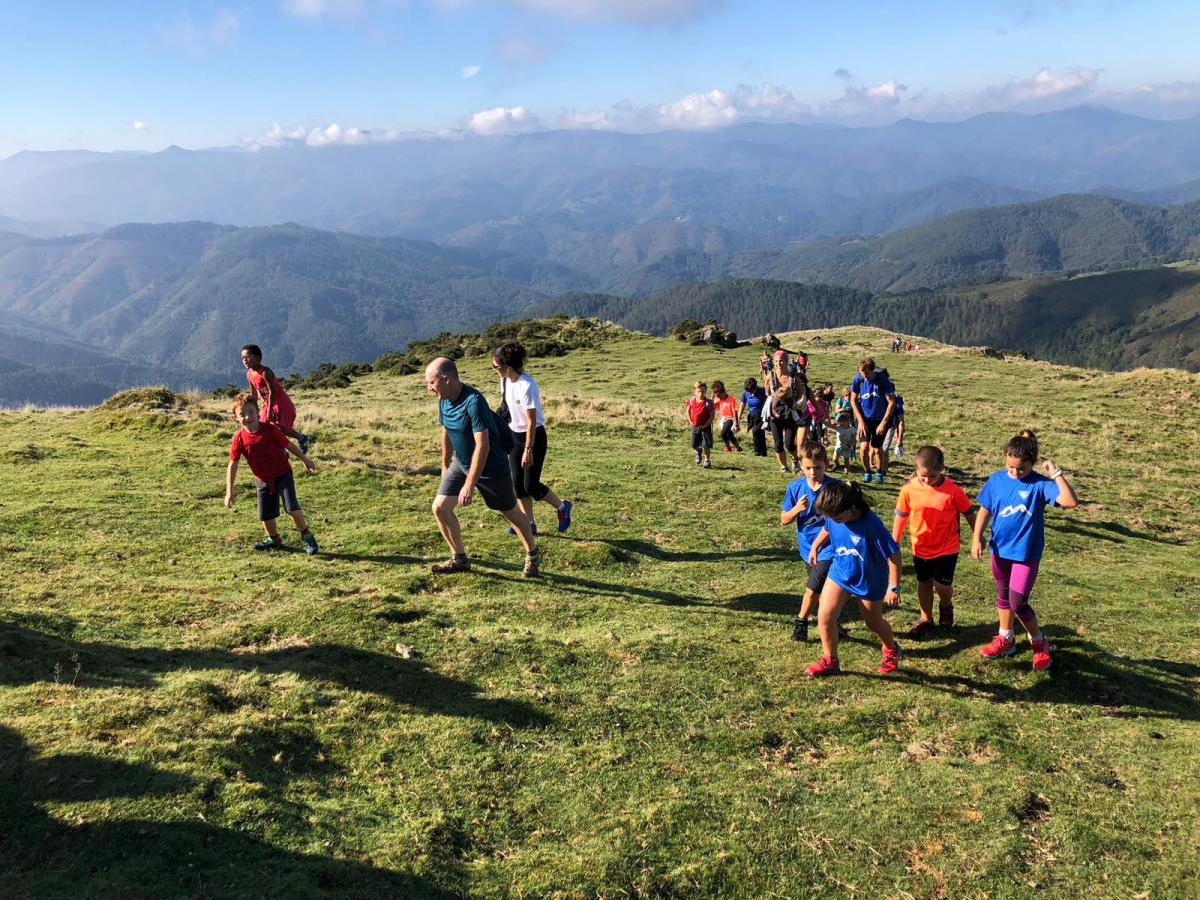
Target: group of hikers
{"points": [[849, 552], [869, 416]]}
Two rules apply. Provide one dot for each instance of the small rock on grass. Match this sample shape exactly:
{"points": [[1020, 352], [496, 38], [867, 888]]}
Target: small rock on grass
{"points": [[406, 652]]}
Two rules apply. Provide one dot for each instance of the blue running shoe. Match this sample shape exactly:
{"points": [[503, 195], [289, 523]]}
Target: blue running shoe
{"points": [[564, 516], [879, 478], [866, 477]]}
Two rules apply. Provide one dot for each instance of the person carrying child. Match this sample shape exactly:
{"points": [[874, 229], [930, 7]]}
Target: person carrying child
{"points": [[727, 413], [700, 412], [929, 506], [799, 507], [274, 403], [753, 398], [1013, 500], [266, 449], [866, 567]]}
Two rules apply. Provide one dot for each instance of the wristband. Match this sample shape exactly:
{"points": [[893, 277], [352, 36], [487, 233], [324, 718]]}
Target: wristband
{"points": [[1057, 473], [894, 590]]}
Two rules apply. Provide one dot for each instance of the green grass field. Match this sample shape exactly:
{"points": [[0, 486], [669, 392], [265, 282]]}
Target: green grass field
{"points": [[182, 717]]}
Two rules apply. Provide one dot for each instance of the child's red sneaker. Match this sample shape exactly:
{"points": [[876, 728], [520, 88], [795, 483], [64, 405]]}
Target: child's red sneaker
{"points": [[1000, 646], [826, 665], [891, 660], [1041, 655]]}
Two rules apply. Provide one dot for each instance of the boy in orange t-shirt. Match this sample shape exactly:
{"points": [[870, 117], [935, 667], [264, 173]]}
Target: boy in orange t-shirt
{"points": [[930, 504]]}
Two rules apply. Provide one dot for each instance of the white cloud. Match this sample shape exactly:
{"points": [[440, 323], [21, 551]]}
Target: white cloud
{"points": [[225, 26], [718, 108], [320, 136], [315, 9], [139, 125], [1045, 83], [503, 120], [586, 121], [469, 72]]}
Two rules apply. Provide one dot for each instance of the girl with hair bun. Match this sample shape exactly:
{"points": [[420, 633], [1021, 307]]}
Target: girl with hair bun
{"points": [[1013, 500]]}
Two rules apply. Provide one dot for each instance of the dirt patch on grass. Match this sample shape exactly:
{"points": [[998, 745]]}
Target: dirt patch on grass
{"points": [[293, 644]]}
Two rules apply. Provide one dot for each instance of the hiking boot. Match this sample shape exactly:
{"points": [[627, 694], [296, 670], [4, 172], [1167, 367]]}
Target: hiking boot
{"points": [[891, 660], [945, 616], [452, 565], [532, 567], [310, 544], [699, 457], [1000, 646], [800, 630], [270, 543], [1041, 655], [796, 466], [921, 630], [708, 463], [826, 665], [785, 470], [564, 516]]}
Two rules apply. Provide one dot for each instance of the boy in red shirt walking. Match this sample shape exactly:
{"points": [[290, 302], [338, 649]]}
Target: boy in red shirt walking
{"points": [[929, 505], [266, 448], [700, 411], [273, 401]]}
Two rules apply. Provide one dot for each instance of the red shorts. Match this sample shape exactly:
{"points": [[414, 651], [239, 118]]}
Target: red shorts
{"points": [[282, 414]]}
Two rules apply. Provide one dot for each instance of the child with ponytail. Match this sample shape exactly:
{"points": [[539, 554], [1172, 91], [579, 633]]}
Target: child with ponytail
{"points": [[1013, 500], [866, 566]]}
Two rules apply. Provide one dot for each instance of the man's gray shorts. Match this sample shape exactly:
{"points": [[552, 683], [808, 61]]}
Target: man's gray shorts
{"points": [[497, 491]]}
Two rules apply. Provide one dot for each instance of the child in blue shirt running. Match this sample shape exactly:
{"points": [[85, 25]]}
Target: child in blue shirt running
{"points": [[799, 508], [866, 566], [1013, 500]]}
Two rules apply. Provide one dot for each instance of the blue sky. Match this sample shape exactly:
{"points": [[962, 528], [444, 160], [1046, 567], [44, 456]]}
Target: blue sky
{"points": [[142, 75]]}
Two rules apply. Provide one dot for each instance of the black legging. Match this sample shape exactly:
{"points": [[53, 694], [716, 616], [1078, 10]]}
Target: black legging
{"points": [[784, 433], [528, 482], [728, 436], [754, 426]]}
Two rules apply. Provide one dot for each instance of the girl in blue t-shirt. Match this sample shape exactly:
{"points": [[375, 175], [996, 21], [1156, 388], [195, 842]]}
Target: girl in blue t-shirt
{"points": [[866, 565], [1013, 500]]}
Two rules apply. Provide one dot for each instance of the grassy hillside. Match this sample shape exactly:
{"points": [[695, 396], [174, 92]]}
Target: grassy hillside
{"points": [[183, 717]]}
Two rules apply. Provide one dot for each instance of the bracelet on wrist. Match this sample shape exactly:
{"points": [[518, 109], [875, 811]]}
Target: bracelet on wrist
{"points": [[1057, 473], [894, 589]]}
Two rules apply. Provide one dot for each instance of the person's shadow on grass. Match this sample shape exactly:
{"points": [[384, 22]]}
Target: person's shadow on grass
{"points": [[1082, 674], [42, 854], [28, 656]]}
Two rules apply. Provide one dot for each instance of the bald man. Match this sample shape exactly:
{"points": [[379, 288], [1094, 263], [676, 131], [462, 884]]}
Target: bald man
{"points": [[471, 460]]}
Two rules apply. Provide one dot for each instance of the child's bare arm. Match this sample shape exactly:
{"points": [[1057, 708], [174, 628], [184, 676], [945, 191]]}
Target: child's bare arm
{"points": [[296, 452], [894, 571], [821, 541], [788, 516], [230, 475], [981, 520], [1066, 493], [898, 525], [970, 515], [270, 379]]}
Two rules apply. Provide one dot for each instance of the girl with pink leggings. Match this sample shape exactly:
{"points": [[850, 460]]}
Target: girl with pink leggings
{"points": [[1013, 501]]}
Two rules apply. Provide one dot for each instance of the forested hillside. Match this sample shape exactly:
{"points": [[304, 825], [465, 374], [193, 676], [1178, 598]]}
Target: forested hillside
{"points": [[1119, 320]]}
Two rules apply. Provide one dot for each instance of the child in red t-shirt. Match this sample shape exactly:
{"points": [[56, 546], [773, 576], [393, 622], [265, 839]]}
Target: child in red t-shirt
{"points": [[929, 505], [266, 448], [700, 411], [274, 403]]}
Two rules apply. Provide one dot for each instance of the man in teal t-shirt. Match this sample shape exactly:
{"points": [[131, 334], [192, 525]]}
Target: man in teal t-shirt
{"points": [[471, 459]]}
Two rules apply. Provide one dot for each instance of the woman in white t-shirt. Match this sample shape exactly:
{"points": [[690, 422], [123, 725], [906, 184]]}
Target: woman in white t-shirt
{"points": [[524, 403]]}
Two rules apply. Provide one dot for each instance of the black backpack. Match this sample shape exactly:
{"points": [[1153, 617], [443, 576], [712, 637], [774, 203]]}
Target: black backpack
{"points": [[501, 417]]}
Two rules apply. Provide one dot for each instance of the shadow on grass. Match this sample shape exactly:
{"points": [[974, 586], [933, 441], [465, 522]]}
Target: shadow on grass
{"points": [[1083, 674], [43, 856], [1113, 532], [28, 656], [649, 549]]}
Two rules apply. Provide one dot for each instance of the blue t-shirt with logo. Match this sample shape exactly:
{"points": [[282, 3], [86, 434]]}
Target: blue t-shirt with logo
{"points": [[754, 401], [808, 523], [1016, 505], [872, 395], [861, 550], [462, 418]]}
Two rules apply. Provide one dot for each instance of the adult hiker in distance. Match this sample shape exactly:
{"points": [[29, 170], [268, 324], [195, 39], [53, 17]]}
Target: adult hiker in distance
{"points": [[474, 458]]}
